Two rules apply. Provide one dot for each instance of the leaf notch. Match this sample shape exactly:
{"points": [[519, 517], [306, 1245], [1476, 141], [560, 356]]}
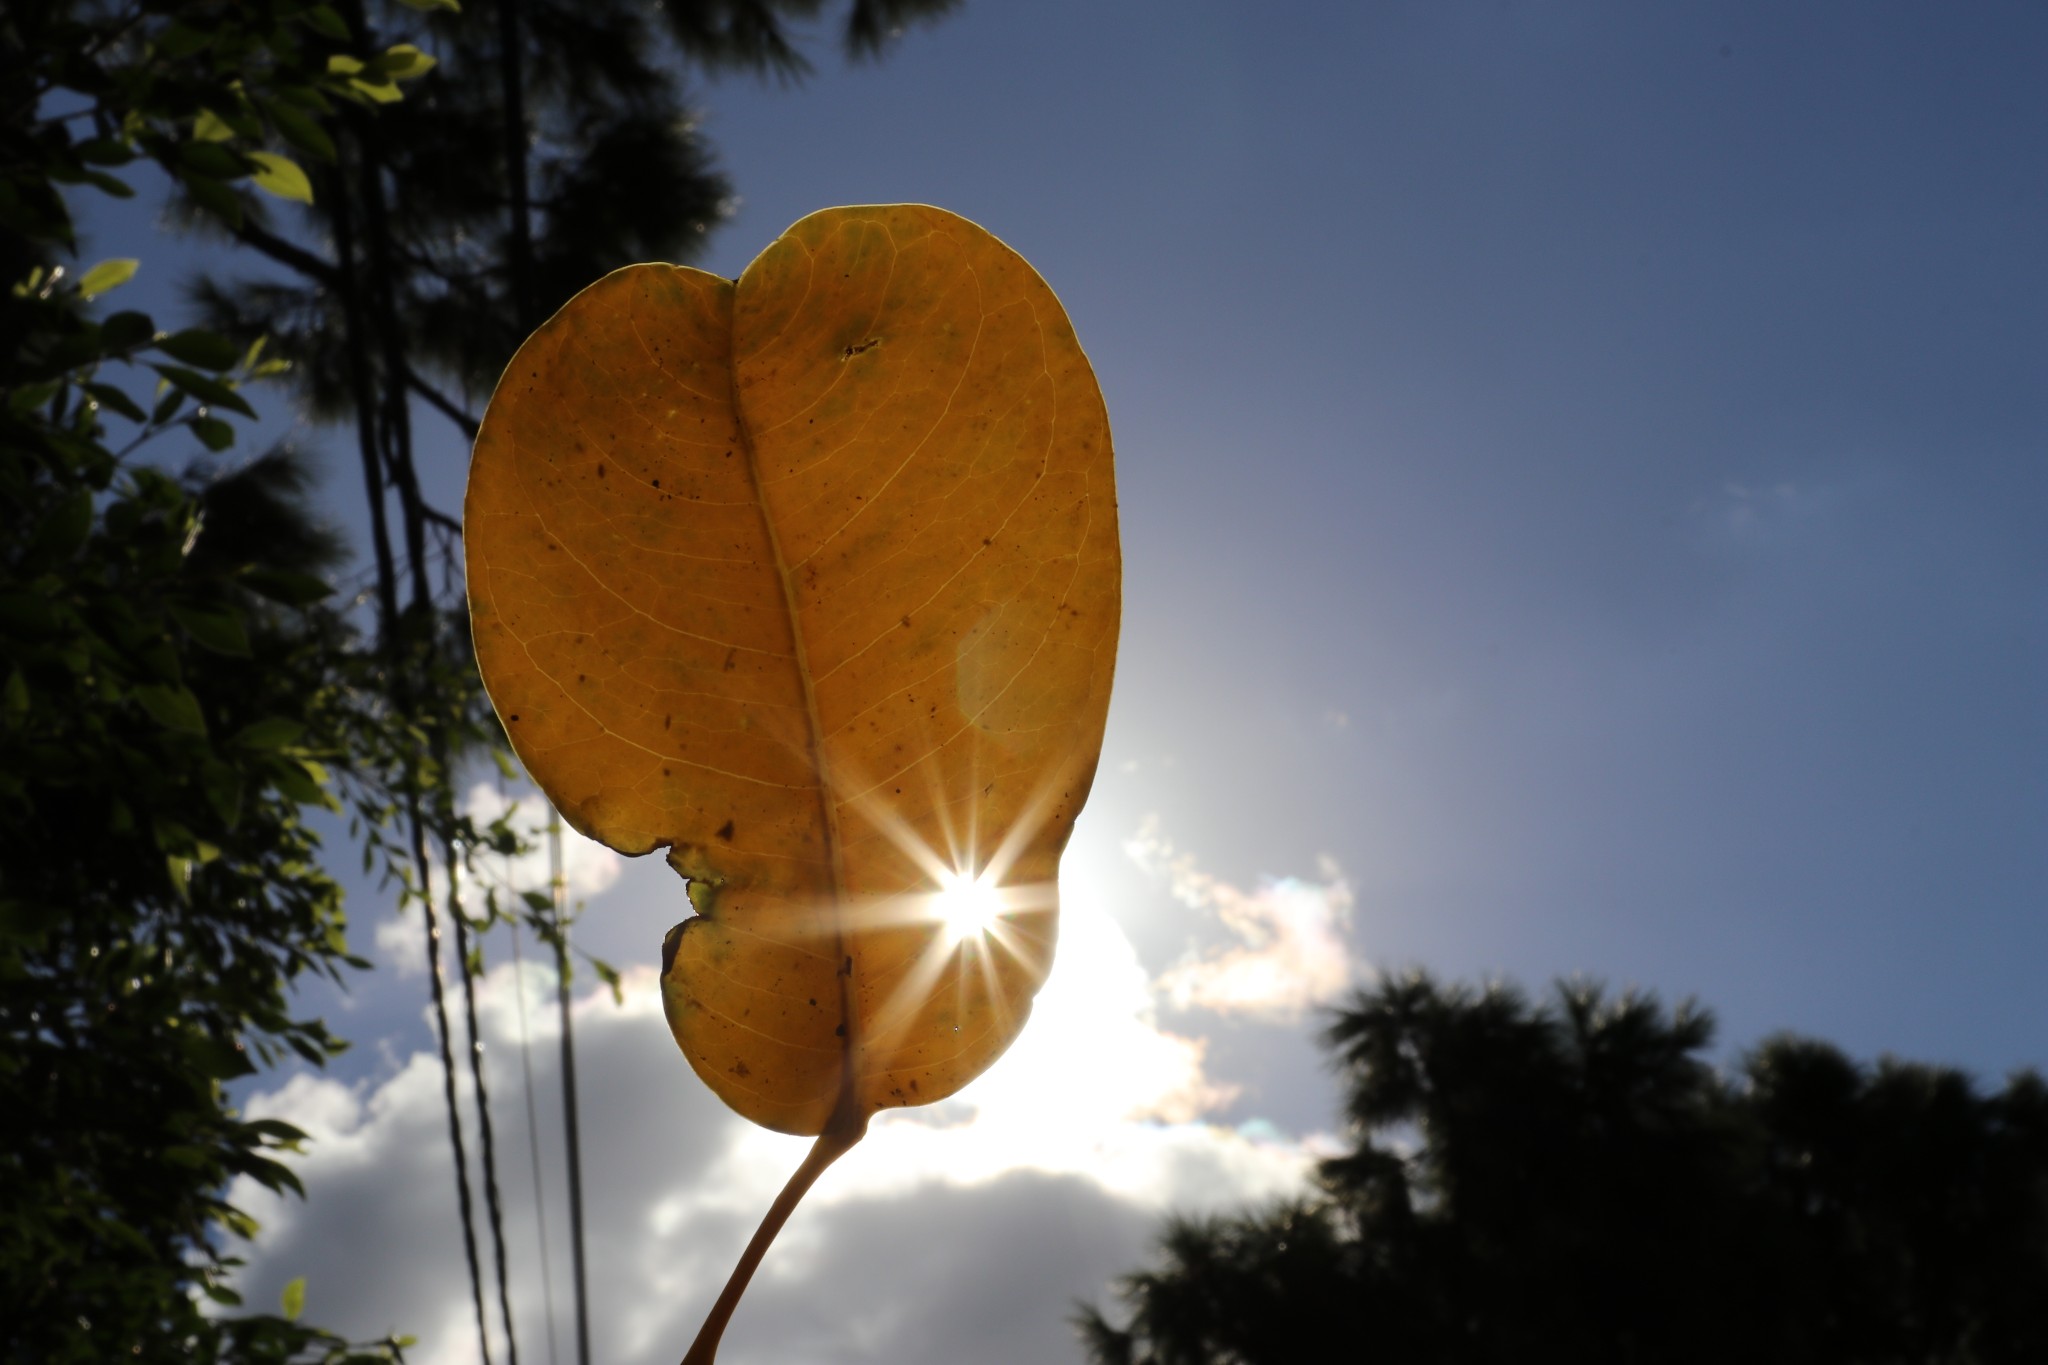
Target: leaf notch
{"points": [[836, 635]]}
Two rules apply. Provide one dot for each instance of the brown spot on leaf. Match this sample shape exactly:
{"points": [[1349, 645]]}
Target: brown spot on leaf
{"points": [[703, 578]]}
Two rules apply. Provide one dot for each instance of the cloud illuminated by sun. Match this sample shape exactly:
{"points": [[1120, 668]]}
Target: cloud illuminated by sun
{"points": [[1292, 949]]}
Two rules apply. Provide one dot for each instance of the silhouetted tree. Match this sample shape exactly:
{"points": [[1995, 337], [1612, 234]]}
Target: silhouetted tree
{"points": [[1573, 1181], [178, 687], [175, 685], [540, 144]]}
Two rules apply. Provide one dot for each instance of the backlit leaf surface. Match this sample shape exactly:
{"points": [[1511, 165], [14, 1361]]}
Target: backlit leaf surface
{"points": [[813, 579]]}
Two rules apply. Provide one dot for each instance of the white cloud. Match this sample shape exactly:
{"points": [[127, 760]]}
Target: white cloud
{"points": [[1290, 952], [962, 1231], [588, 868]]}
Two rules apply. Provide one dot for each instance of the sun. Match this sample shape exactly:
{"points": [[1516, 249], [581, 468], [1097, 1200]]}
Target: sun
{"points": [[967, 907]]}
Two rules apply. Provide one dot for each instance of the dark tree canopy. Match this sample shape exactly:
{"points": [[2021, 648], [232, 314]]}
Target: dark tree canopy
{"points": [[177, 692], [180, 686], [616, 172], [1573, 1181]]}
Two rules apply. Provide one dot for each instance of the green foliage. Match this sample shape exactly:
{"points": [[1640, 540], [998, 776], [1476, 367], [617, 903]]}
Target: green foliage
{"points": [[214, 93], [179, 693], [1573, 1182], [179, 688], [619, 173], [167, 723]]}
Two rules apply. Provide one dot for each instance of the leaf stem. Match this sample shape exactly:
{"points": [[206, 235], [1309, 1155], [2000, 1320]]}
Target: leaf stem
{"points": [[847, 1126]]}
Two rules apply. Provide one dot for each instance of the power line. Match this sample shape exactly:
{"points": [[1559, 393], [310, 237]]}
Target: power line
{"points": [[476, 1279], [492, 1207], [558, 887], [540, 1199]]}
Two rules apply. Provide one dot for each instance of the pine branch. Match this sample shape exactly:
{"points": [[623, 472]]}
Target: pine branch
{"points": [[446, 406], [288, 253]]}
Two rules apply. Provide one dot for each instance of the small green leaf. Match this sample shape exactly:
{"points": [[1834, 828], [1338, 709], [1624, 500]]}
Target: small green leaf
{"points": [[282, 177], [107, 275], [404, 62], [14, 700], [290, 586], [302, 130], [324, 21], [294, 1299], [212, 159], [278, 1131], [182, 40], [215, 197], [29, 397], [211, 391], [219, 1059], [211, 127], [197, 346], [385, 93], [306, 97], [219, 629], [104, 151], [173, 707], [290, 779], [119, 188], [223, 787], [167, 407], [341, 64], [124, 331], [111, 397], [214, 433], [272, 732]]}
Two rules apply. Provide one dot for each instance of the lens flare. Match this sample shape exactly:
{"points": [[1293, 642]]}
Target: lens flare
{"points": [[967, 907]]}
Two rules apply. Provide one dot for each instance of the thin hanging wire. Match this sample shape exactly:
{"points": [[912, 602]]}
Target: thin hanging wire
{"points": [[377, 479], [476, 1281], [540, 1192], [558, 889], [512, 81], [451, 860]]}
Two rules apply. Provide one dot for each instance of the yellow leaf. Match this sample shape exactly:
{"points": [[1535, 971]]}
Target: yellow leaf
{"points": [[107, 275], [281, 176], [813, 580], [386, 92], [210, 127], [404, 62]]}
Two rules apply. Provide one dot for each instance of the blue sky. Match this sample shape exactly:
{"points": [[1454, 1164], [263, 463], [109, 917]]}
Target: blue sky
{"points": [[1583, 492], [1628, 418]]}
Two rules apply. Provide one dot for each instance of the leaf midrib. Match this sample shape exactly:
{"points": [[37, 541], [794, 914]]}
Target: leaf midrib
{"points": [[842, 960]]}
